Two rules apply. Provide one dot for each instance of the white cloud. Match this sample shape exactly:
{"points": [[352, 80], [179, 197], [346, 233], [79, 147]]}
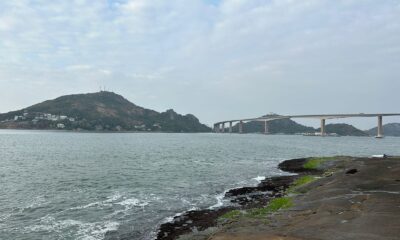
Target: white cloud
{"points": [[134, 6], [6, 23], [79, 67], [256, 55]]}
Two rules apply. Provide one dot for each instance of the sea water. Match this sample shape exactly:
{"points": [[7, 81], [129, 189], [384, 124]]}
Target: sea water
{"points": [[68, 185]]}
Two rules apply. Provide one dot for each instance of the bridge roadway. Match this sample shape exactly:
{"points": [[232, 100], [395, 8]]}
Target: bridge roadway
{"points": [[220, 126]]}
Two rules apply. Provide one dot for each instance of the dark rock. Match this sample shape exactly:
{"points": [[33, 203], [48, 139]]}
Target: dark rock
{"points": [[293, 165], [191, 220], [352, 171], [276, 184], [273, 184], [243, 198], [297, 166]]}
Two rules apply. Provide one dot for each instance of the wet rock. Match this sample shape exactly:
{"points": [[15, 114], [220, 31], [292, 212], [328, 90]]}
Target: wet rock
{"points": [[293, 165], [198, 220], [273, 184], [277, 184], [243, 198], [352, 171], [296, 166]]}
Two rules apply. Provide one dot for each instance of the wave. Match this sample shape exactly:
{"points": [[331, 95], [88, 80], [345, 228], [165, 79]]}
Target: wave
{"points": [[132, 202], [115, 199], [85, 230], [220, 203], [220, 200], [259, 178]]}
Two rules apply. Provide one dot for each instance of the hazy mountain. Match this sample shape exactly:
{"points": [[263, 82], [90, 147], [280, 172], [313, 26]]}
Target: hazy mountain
{"points": [[343, 129], [286, 126], [390, 129], [99, 111]]}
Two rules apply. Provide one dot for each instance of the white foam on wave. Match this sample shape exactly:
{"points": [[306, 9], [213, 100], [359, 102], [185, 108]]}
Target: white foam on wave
{"points": [[133, 202], [49, 224], [97, 231], [171, 218], [106, 203], [220, 202], [93, 204], [259, 178], [128, 204], [82, 230], [85, 230], [115, 199]]}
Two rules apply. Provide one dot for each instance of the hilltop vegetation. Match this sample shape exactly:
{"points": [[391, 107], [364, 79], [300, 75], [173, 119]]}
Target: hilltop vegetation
{"points": [[390, 129], [343, 129], [288, 126], [99, 111], [285, 126]]}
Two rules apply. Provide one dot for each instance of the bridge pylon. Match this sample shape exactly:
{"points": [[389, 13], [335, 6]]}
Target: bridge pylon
{"points": [[323, 127], [380, 128]]}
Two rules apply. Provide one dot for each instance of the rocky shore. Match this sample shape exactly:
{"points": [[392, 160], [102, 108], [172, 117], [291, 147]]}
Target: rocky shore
{"points": [[328, 198], [242, 198]]}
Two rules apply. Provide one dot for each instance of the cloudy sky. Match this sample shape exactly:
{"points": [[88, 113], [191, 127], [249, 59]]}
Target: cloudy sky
{"points": [[217, 59]]}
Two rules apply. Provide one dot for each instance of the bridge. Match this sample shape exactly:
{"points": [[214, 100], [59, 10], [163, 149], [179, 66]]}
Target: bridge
{"points": [[219, 127]]}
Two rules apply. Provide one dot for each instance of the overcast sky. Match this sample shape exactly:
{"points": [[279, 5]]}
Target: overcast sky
{"points": [[216, 59]]}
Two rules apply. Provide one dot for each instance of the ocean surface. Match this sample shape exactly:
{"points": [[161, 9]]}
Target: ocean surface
{"points": [[66, 185]]}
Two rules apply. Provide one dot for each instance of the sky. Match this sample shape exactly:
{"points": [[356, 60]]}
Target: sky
{"points": [[216, 59]]}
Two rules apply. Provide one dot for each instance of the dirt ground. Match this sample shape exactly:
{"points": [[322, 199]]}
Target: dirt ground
{"points": [[360, 200]]}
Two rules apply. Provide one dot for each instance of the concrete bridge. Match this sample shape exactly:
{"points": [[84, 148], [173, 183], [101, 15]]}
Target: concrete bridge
{"points": [[219, 127]]}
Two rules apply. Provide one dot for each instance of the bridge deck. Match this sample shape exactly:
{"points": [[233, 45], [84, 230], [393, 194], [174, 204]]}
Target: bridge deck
{"points": [[318, 116]]}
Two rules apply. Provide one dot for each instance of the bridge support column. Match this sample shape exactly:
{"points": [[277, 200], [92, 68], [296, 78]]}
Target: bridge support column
{"points": [[323, 127], [241, 127], [230, 127], [223, 127], [380, 128], [216, 128], [266, 131]]}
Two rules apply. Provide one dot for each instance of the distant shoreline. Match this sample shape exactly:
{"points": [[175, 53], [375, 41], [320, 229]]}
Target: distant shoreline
{"points": [[87, 131], [150, 132]]}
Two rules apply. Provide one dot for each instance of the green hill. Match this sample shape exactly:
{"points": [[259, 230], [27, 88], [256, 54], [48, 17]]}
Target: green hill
{"points": [[390, 129], [102, 111], [285, 126], [343, 129], [288, 126]]}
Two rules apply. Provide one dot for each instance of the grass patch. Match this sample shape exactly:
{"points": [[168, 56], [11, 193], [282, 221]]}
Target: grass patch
{"points": [[279, 203], [299, 182], [304, 180], [314, 163], [234, 214], [273, 206]]}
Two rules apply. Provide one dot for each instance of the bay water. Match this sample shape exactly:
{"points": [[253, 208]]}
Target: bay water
{"points": [[69, 185]]}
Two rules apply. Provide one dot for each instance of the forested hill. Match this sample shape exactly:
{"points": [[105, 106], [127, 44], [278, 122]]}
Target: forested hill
{"points": [[288, 126], [100, 111], [285, 126], [390, 129], [343, 129]]}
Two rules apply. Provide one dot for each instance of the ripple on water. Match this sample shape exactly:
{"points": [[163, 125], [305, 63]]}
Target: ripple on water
{"points": [[72, 228], [94, 183]]}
